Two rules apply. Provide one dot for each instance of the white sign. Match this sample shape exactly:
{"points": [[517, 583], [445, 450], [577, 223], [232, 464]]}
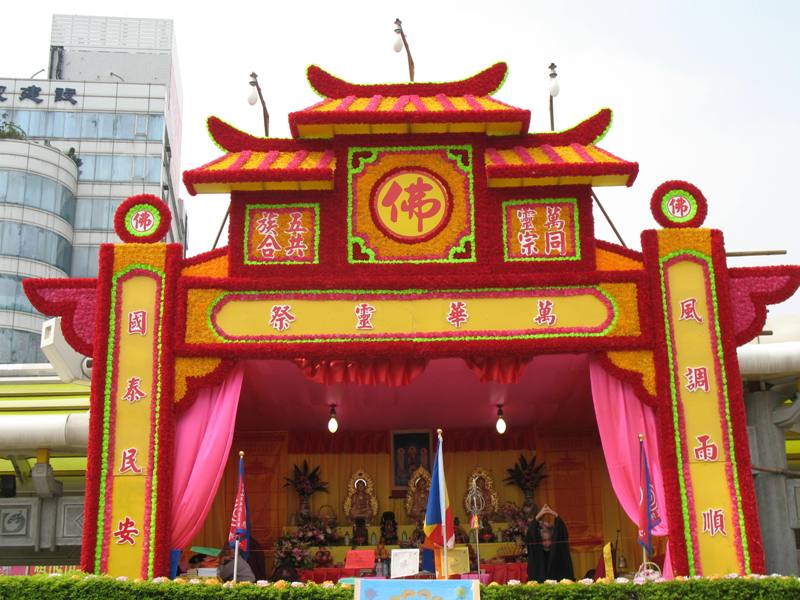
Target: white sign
{"points": [[405, 562]]}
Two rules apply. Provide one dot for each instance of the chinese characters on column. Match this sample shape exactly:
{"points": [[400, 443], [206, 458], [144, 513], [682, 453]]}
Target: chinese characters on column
{"points": [[137, 322], [706, 451], [714, 521], [527, 236], [364, 314], [545, 314], [696, 379], [281, 317], [689, 311], [457, 314], [128, 463], [126, 529], [133, 392]]}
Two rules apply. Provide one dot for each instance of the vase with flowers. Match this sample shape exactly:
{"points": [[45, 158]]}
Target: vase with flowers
{"points": [[306, 482]]}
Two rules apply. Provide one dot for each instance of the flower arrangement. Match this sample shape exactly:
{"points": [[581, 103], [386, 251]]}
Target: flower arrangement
{"points": [[306, 482], [517, 519], [291, 551], [526, 475]]}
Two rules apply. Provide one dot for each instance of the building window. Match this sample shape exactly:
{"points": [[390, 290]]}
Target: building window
{"points": [[20, 347], [120, 168], [84, 261], [29, 241], [89, 125], [12, 296]]}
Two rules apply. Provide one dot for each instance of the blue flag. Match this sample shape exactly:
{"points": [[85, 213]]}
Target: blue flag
{"points": [[648, 506], [240, 519]]}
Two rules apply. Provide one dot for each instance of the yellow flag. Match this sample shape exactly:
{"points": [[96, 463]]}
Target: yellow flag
{"points": [[608, 560]]}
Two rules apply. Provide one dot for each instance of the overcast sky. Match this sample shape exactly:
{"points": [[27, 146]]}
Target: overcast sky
{"points": [[702, 91]]}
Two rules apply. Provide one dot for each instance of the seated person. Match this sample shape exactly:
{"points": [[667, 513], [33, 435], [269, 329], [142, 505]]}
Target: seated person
{"points": [[225, 569]]}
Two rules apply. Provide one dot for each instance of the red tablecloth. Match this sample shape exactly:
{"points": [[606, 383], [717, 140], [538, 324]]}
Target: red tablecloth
{"points": [[326, 574], [503, 572]]}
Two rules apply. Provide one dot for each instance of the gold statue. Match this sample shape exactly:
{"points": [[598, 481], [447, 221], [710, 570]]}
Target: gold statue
{"points": [[419, 484], [483, 483], [360, 502]]}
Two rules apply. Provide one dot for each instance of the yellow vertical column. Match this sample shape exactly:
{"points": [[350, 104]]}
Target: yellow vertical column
{"points": [[699, 403]]}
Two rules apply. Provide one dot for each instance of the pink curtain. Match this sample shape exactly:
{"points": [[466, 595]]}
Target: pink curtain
{"points": [[393, 372], [203, 437], [621, 417]]}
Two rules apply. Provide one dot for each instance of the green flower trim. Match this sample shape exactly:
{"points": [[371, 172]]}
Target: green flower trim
{"points": [[136, 208], [246, 239], [369, 155], [576, 230], [673, 194]]}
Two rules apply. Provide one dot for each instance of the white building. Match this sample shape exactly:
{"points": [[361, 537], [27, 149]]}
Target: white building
{"points": [[113, 97]]}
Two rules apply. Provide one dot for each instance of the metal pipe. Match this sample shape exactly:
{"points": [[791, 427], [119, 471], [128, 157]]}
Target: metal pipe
{"points": [[605, 214], [757, 253]]}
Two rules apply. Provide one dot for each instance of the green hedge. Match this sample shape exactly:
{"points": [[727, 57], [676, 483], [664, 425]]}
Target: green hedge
{"points": [[105, 588]]}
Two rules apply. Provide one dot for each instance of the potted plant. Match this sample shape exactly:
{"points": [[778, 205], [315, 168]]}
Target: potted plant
{"points": [[526, 475], [305, 482], [291, 554]]}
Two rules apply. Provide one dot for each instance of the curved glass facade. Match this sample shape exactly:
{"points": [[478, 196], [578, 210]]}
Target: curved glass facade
{"points": [[18, 346], [29, 241], [89, 125], [20, 187], [12, 297]]}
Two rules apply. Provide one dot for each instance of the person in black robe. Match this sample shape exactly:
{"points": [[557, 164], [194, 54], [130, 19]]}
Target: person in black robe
{"points": [[548, 548]]}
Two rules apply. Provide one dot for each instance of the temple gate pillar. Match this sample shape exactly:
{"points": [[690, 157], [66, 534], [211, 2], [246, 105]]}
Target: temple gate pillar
{"points": [[128, 478], [712, 516]]}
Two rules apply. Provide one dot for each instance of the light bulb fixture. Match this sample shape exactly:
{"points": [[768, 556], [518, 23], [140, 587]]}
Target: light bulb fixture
{"points": [[554, 86], [398, 43], [501, 422], [253, 97], [333, 423]]}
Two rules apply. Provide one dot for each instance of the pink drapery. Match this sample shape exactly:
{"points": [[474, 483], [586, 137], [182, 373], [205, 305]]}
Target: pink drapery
{"points": [[621, 417], [377, 371], [203, 436]]}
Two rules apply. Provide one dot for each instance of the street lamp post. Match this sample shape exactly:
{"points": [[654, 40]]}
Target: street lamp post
{"points": [[400, 43], [259, 96], [554, 89]]}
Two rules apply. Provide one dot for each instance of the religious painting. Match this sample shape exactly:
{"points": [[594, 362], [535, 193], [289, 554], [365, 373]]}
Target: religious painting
{"points": [[410, 450]]}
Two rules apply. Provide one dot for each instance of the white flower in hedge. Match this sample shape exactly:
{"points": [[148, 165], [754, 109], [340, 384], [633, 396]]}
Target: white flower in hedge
{"points": [[514, 582], [732, 576], [160, 579], [194, 581], [54, 574], [622, 580], [122, 578], [660, 580], [328, 584], [586, 581], [550, 581], [262, 583], [228, 584], [298, 584]]}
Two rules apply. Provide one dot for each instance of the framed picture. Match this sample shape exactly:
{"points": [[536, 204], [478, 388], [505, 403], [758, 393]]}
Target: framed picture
{"points": [[410, 450]]}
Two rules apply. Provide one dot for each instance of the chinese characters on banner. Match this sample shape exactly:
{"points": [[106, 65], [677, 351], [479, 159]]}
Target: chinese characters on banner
{"points": [[541, 230], [126, 531], [714, 522], [281, 234]]}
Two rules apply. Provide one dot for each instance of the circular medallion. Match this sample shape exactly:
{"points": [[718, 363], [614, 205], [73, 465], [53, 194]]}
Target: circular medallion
{"points": [[411, 205], [678, 204], [142, 219]]}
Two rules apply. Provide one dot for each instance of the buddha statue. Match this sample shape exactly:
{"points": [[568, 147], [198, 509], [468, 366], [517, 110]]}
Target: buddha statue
{"points": [[419, 485], [388, 529], [360, 502]]}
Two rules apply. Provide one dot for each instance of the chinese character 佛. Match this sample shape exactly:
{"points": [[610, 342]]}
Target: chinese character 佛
{"points": [[281, 317], [458, 314], [679, 207], [697, 379], [706, 451], [134, 393], [66, 95], [126, 529], [137, 322], [545, 315], [364, 314], [142, 221], [128, 463], [416, 204], [714, 521], [689, 311]]}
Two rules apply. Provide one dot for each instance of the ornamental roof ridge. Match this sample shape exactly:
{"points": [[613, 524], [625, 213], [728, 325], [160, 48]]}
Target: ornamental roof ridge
{"points": [[485, 83], [231, 139]]}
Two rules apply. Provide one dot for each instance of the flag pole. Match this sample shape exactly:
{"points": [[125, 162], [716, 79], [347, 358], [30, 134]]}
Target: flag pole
{"points": [[442, 507], [646, 496], [236, 548]]}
